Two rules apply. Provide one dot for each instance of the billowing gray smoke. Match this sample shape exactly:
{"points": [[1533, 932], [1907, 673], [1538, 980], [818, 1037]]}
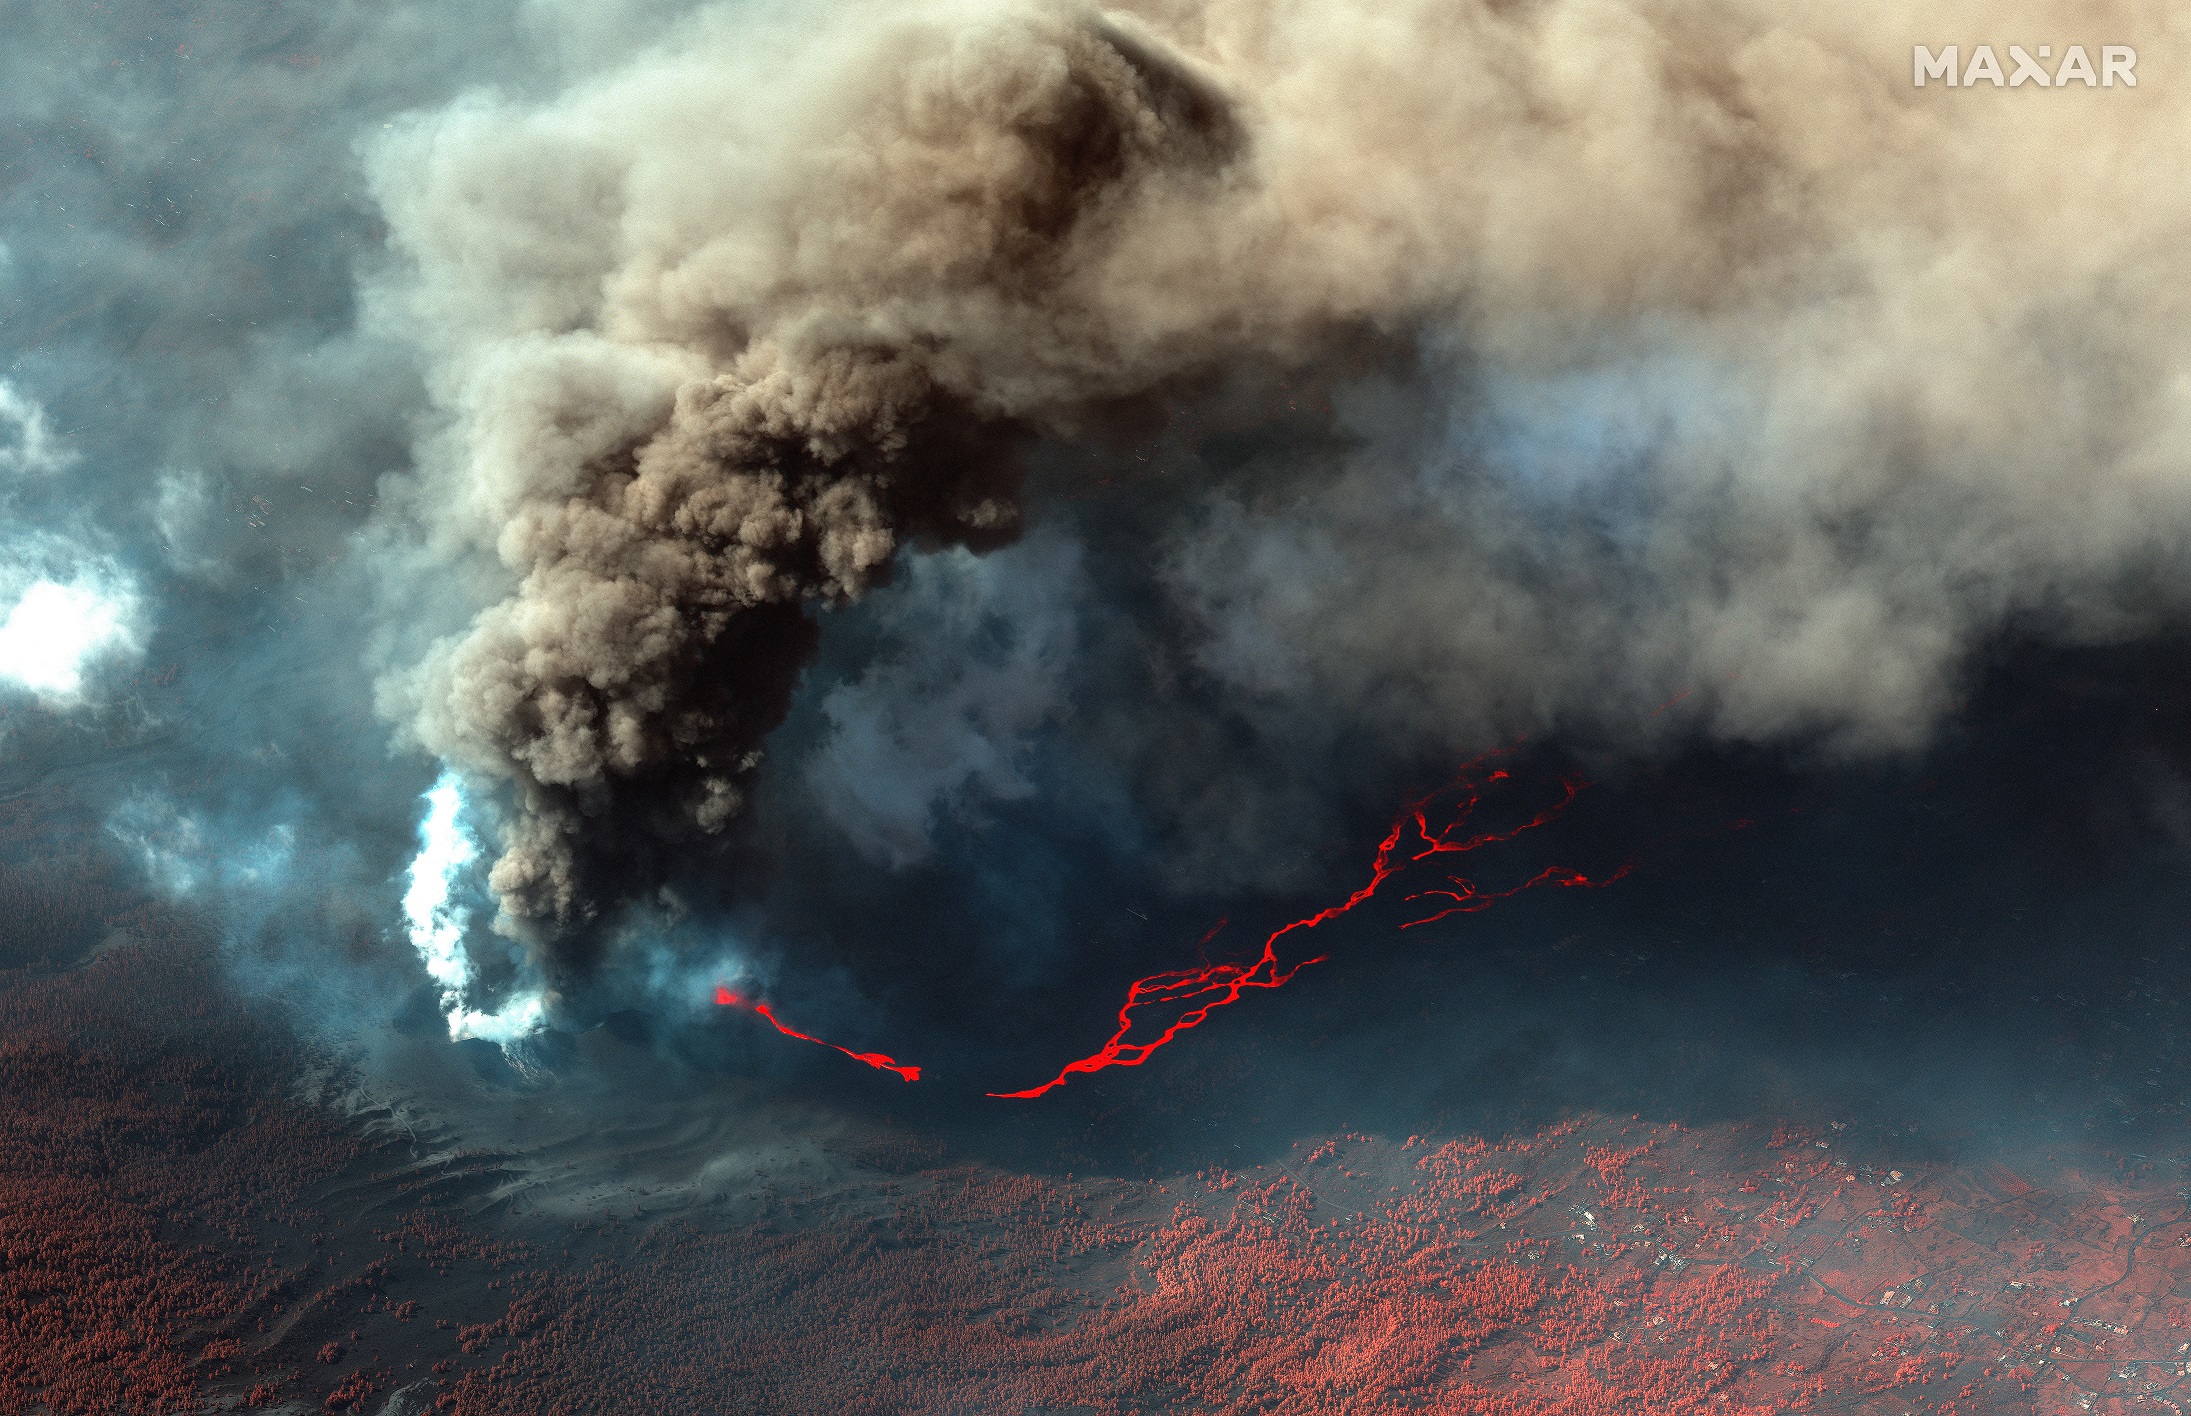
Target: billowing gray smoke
{"points": [[699, 406], [1745, 366]]}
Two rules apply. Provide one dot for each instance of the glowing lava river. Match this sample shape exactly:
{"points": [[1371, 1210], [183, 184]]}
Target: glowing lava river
{"points": [[1431, 826], [880, 1061]]}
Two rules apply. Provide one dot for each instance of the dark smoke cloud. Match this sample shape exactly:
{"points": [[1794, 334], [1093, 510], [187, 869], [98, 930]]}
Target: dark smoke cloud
{"points": [[684, 409], [1729, 365], [1098, 454]]}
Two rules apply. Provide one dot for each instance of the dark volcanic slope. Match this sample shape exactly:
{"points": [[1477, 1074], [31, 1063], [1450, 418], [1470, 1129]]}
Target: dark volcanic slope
{"points": [[183, 1228]]}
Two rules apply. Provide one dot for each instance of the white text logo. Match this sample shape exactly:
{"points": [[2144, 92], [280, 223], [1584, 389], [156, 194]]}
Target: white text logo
{"points": [[2118, 64]]}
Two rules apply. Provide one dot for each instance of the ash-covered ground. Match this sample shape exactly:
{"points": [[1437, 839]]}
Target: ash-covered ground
{"points": [[1874, 1105]]}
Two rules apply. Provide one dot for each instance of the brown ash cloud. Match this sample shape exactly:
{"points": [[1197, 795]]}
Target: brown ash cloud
{"points": [[715, 335], [845, 361]]}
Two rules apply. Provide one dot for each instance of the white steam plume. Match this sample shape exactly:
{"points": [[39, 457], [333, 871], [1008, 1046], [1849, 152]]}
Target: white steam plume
{"points": [[437, 923]]}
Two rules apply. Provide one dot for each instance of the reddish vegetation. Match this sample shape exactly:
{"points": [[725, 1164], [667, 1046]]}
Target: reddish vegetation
{"points": [[135, 1171], [1415, 837], [160, 1248], [177, 1235], [60, 897], [1598, 1268]]}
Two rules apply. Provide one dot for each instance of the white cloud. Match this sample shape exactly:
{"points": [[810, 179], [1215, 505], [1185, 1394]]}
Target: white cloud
{"points": [[182, 853], [64, 606], [54, 632], [26, 445]]}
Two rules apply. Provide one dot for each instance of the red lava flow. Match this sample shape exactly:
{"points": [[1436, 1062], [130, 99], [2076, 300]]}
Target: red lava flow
{"points": [[1217, 985], [879, 1061]]}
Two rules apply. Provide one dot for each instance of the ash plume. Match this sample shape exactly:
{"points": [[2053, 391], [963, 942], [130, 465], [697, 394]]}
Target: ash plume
{"points": [[1736, 368], [833, 347]]}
